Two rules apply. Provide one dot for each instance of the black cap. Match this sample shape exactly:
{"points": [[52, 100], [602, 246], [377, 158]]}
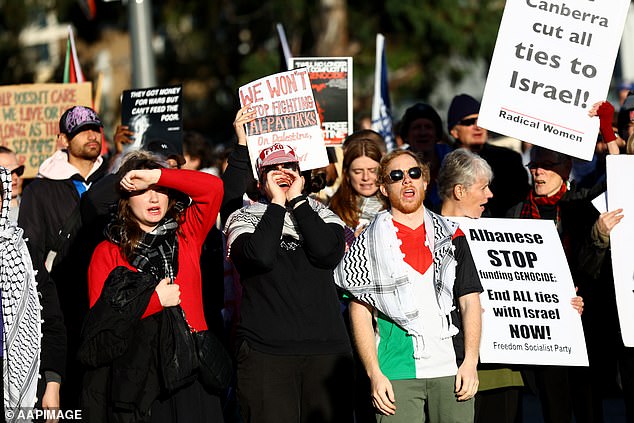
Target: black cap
{"points": [[78, 119], [166, 149], [420, 111]]}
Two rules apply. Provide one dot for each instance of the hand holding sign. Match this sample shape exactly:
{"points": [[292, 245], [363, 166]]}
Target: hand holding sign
{"points": [[550, 60]]}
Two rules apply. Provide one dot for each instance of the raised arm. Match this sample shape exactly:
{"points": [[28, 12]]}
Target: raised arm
{"points": [[605, 111], [324, 242], [238, 172]]}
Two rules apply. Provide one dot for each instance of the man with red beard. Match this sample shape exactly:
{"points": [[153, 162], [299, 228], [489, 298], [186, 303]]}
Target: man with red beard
{"points": [[294, 358], [415, 314]]}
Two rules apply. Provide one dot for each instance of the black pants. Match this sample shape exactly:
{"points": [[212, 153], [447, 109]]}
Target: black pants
{"points": [[626, 369], [190, 404], [294, 388], [497, 405]]}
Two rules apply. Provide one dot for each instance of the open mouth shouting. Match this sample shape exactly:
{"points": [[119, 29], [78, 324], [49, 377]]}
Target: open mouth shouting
{"points": [[283, 180]]}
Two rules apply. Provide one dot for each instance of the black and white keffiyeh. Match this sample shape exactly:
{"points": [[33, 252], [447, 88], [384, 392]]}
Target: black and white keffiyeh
{"points": [[21, 311], [374, 272], [247, 218], [157, 251]]}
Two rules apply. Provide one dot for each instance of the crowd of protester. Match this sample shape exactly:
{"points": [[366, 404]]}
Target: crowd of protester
{"points": [[172, 285]]}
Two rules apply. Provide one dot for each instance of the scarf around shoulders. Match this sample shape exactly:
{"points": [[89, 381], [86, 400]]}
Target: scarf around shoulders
{"points": [[21, 311], [374, 272]]}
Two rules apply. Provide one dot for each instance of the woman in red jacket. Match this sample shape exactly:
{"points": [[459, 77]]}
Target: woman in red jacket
{"points": [[147, 268]]}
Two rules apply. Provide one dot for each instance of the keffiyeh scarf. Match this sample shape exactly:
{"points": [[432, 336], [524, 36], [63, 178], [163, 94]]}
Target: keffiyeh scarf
{"points": [[374, 272], [247, 218], [157, 252], [21, 311], [368, 208]]}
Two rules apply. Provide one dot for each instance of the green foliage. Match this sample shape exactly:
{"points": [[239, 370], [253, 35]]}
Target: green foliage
{"points": [[222, 44]]}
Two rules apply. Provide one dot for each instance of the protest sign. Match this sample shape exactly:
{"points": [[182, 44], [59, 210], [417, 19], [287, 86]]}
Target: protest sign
{"points": [[29, 120], [620, 170], [331, 80], [527, 318], [286, 113], [153, 113], [552, 61]]}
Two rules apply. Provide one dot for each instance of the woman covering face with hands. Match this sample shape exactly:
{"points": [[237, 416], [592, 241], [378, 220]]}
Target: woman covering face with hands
{"points": [[294, 358]]}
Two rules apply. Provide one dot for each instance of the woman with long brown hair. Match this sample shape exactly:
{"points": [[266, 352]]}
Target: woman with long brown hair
{"points": [[145, 294], [357, 200]]}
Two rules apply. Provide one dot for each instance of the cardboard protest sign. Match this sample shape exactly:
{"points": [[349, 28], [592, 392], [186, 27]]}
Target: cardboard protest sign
{"points": [[286, 113], [620, 169], [331, 80], [552, 61], [527, 318], [153, 113], [29, 119]]}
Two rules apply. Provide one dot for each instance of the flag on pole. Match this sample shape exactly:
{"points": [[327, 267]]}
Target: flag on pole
{"points": [[89, 7], [381, 107], [72, 69], [286, 51]]}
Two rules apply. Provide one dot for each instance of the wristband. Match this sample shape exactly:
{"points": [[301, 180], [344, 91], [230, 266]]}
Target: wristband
{"points": [[293, 201]]}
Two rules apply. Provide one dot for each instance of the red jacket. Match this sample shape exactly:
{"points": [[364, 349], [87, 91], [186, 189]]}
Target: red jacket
{"points": [[206, 193]]}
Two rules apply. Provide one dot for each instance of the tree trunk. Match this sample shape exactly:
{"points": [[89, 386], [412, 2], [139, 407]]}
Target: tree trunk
{"points": [[332, 38]]}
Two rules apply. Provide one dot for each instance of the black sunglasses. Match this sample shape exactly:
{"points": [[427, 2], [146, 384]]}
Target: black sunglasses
{"points": [[543, 165], [398, 174], [468, 122], [287, 165], [18, 171]]}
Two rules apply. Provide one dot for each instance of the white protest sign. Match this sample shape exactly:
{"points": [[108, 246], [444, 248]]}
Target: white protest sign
{"points": [[552, 61], [527, 318], [285, 113], [620, 171]]}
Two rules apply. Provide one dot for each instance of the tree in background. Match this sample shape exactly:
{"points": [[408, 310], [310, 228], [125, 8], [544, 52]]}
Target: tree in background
{"points": [[214, 47]]}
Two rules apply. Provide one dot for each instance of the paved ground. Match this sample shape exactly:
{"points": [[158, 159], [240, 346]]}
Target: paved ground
{"points": [[613, 410]]}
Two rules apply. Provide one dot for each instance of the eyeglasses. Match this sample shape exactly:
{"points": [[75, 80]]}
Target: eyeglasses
{"points": [[468, 122], [398, 174], [542, 165], [287, 165], [18, 171]]}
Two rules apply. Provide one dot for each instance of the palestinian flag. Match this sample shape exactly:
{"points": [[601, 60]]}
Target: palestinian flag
{"points": [[72, 69]]}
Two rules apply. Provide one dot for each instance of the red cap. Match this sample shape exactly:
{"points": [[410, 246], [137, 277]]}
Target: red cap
{"points": [[276, 154]]}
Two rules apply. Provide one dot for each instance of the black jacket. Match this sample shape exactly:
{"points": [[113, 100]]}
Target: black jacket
{"points": [[510, 179], [47, 205], [120, 350]]}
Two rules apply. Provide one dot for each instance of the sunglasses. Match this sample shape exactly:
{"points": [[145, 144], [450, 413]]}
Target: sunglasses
{"points": [[542, 165], [287, 165], [468, 122], [398, 174], [18, 171]]}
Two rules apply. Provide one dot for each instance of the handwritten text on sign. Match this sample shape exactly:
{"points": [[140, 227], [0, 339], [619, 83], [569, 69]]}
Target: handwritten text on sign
{"points": [[285, 113], [29, 118]]}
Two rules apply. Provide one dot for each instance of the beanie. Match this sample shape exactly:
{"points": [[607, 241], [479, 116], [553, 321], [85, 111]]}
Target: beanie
{"points": [[462, 105], [420, 111]]}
